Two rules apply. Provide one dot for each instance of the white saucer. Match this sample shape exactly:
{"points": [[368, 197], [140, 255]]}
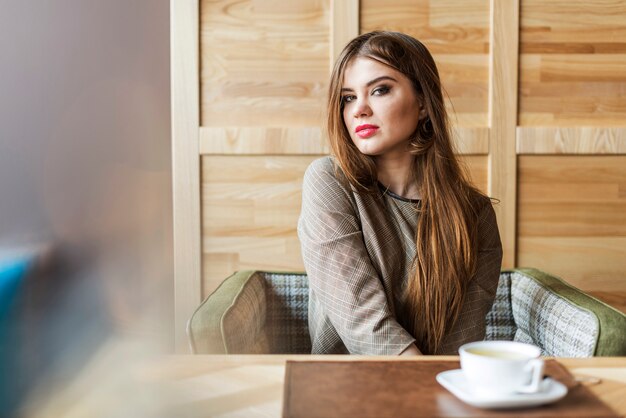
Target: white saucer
{"points": [[454, 381]]}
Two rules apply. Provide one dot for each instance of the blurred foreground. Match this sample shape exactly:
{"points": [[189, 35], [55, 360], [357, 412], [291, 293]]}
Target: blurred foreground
{"points": [[85, 192]]}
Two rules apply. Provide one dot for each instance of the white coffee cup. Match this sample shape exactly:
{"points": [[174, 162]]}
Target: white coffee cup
{"points": [[495, 368]]}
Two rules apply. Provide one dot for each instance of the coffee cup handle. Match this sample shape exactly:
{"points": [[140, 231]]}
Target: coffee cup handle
{"points": [[534, 386]]}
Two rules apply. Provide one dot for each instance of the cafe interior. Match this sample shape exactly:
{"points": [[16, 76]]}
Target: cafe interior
{"points": [[152, 157]]}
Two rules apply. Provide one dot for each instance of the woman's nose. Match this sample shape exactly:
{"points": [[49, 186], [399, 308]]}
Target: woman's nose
{"points": [[362, 108]]}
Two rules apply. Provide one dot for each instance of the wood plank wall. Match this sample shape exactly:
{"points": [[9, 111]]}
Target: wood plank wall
{"points": [[572, 141], [249, 80]]}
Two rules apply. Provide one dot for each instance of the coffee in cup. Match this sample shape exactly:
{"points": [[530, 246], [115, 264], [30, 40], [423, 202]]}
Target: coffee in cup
{"points": [[501, 367]]}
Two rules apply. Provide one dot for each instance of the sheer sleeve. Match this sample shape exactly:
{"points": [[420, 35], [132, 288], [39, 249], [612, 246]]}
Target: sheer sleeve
{"points": [[342, 279]]}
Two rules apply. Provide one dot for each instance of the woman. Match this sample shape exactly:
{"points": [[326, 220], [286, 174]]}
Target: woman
{"points": [[403, 254]]}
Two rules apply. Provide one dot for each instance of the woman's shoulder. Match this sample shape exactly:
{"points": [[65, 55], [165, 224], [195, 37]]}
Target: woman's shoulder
{"points": [[487, 221], [322, 166], [324, 171], [481, 202], [324, 184], [482, 211]]}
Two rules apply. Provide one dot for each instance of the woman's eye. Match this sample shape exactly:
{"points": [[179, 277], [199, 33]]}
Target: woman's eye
{"points": [[380, 91], [347, 98]]}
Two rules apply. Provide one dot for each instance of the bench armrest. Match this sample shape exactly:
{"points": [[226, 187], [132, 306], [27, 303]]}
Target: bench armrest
{"points": [[237, 304], [558, 316]]}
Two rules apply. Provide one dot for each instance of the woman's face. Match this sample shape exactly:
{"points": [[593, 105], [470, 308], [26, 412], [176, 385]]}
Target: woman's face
{"points": [[381, 109]]}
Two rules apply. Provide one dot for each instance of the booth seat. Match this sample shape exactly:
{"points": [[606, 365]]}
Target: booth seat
{"points": [[262, 312]]}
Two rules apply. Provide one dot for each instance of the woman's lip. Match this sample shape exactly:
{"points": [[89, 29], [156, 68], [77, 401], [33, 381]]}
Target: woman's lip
{"points": [[365, 126], [366, 132]]}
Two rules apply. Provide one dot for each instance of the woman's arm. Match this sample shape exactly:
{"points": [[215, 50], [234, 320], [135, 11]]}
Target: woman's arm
{"points": [[340, 271]]}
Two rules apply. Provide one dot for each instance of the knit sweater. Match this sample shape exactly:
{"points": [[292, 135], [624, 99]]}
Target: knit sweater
{"points": [[358, 251]]}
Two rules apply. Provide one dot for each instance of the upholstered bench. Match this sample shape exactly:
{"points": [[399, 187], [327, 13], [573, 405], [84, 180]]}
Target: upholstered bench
{"points": [[266, 312]]}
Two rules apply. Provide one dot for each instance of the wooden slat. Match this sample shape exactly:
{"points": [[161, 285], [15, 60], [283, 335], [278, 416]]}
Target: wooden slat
{"points": [[305, 141], [472, 140], [589, 263], [503, 119], [583, 68], [239, 140], [572, 63], [185, 164], [344, 25], [451, 13], [263, 62], [410, 15], [250, 210], [572, 140], [585, 18], [477, 170], [572, 218]]}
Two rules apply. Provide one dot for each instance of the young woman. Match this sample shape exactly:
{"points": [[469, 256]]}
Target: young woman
{"points": [[402, 253]]}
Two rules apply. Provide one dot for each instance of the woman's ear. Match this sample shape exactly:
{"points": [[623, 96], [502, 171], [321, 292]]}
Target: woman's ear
{"points": [[422, 114]]}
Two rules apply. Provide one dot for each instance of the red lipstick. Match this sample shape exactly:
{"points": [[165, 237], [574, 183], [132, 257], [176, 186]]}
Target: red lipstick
{"points": [[366, 131]]}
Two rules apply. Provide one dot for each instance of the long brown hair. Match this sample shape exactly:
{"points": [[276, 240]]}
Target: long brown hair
{"points": [[446, 234]]}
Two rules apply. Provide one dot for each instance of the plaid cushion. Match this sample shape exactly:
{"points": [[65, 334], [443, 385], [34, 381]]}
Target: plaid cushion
{"points": [[286, 324], [522, 337], [265, 312], [500, 320], [545, 319]]}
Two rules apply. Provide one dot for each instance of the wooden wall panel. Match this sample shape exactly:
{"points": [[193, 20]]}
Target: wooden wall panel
{"points": [[572, 63], [477, 169], [457, 34], [185, 164], [250, 210], [572, 218], [263, 63], [571, 140], [344, 27], [572, 205], [262, 75], [503, 78]]}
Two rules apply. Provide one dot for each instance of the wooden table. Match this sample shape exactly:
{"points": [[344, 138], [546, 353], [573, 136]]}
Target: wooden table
{"points": [[238, 386], [248, 386]]}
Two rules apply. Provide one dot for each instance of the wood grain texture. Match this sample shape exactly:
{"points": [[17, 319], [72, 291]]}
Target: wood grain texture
{"points": [[471, 140], [503, 120], [573, 63], [261, 140], [614, 299], [571, 140], [264, 63], [306, 141], [185, 164], [572, 218], [456, 32], [344, 25], [477, 170], [326, 389], [250, 210]]}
